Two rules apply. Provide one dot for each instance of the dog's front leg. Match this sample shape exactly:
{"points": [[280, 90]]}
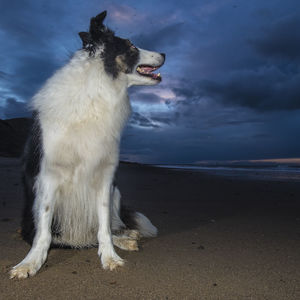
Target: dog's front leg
{"points": [[43, 211], [109, 258]]}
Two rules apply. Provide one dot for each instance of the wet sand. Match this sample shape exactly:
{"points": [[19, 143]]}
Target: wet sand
{"points": [[219, 238]]}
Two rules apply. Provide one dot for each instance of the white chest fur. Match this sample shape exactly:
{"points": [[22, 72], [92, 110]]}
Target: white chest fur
{"points": [[82, 112]]}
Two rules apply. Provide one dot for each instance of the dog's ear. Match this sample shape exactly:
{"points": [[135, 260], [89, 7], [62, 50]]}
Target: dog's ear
{"points": [[86, 38], [96, 25], [100, 18], [98, 33]]}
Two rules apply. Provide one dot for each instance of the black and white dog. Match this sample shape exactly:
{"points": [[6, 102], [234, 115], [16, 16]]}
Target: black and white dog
{"points": [[73, 151]]}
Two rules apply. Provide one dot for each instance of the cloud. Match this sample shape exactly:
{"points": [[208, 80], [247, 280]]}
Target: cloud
{"points": [[163, 120], [139, 120], [28, 33], [253, 136], [124, 14], [32, 72], [14, 108], [3, 75], [280, 40], [166, 37], [263, 90], [210, 8], [146, 97], [30, 24]]}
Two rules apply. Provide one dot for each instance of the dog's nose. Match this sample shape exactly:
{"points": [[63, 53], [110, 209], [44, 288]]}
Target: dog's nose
{"points": [[163, 55]]}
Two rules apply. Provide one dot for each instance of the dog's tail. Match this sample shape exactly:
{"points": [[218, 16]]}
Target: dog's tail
{"points": [[138, 221]]}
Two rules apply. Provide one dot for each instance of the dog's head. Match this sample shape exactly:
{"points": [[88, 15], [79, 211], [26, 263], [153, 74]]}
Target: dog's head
{"points": [[120, 56]]}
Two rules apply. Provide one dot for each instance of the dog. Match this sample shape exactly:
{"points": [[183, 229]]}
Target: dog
{"points": [[72, 153]]}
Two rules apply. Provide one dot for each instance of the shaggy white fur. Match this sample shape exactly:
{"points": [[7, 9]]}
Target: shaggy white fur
{"points": [[82, 111]]}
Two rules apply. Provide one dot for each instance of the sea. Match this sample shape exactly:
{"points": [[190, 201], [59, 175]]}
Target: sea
{"points": [[245, 171]]}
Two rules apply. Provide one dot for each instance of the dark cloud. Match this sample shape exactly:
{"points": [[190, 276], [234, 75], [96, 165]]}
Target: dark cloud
{"points": [[265, 90], [189, 90], [3, 75], [30, 24], [264, 136], [14, 108], [139, 120], [167, 36], [146, 97], [166, 120], [31, 72], [27, 32], [262, 75], [281, 40]]}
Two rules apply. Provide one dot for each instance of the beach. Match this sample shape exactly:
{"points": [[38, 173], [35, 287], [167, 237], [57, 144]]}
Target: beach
{"points": [[219, 238]]}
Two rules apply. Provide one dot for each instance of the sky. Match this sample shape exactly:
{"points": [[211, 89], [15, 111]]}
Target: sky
{"points": [[231, 80]]}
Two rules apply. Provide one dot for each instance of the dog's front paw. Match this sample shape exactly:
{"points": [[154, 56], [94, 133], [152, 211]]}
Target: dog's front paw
{"points": [[111, 262], [23, 270]]}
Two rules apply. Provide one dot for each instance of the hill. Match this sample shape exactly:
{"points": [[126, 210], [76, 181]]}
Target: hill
{"points": [[13, 135]]}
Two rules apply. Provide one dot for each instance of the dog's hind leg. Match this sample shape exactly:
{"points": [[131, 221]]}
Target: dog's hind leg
{"points": [[124, 239], [129, 223], [43, 212]]}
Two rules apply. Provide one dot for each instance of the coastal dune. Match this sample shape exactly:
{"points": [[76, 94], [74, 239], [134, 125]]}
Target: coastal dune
{"points": [[219, 238]]}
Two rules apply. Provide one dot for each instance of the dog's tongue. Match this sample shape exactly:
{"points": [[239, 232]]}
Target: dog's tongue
{"points": [[147, 69]]}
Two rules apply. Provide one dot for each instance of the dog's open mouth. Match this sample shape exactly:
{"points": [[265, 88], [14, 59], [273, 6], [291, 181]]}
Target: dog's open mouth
{"points": [[146, 70]]}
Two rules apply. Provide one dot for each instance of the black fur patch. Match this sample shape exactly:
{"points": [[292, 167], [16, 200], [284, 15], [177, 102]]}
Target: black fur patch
{"points": [[119, 55], [31, 167], [32, 157]]}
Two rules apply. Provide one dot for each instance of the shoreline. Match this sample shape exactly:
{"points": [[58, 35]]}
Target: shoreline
{"points": [[285, 174]]}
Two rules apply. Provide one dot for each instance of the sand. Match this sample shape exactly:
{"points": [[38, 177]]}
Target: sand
{"points": [[219, 238]]}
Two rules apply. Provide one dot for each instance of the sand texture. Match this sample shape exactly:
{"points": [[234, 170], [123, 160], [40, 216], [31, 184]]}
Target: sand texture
{"points": [[219, 238]]}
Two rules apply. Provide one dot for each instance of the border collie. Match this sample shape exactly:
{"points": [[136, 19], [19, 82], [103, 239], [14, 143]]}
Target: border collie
{"points": [[72, 154]]}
